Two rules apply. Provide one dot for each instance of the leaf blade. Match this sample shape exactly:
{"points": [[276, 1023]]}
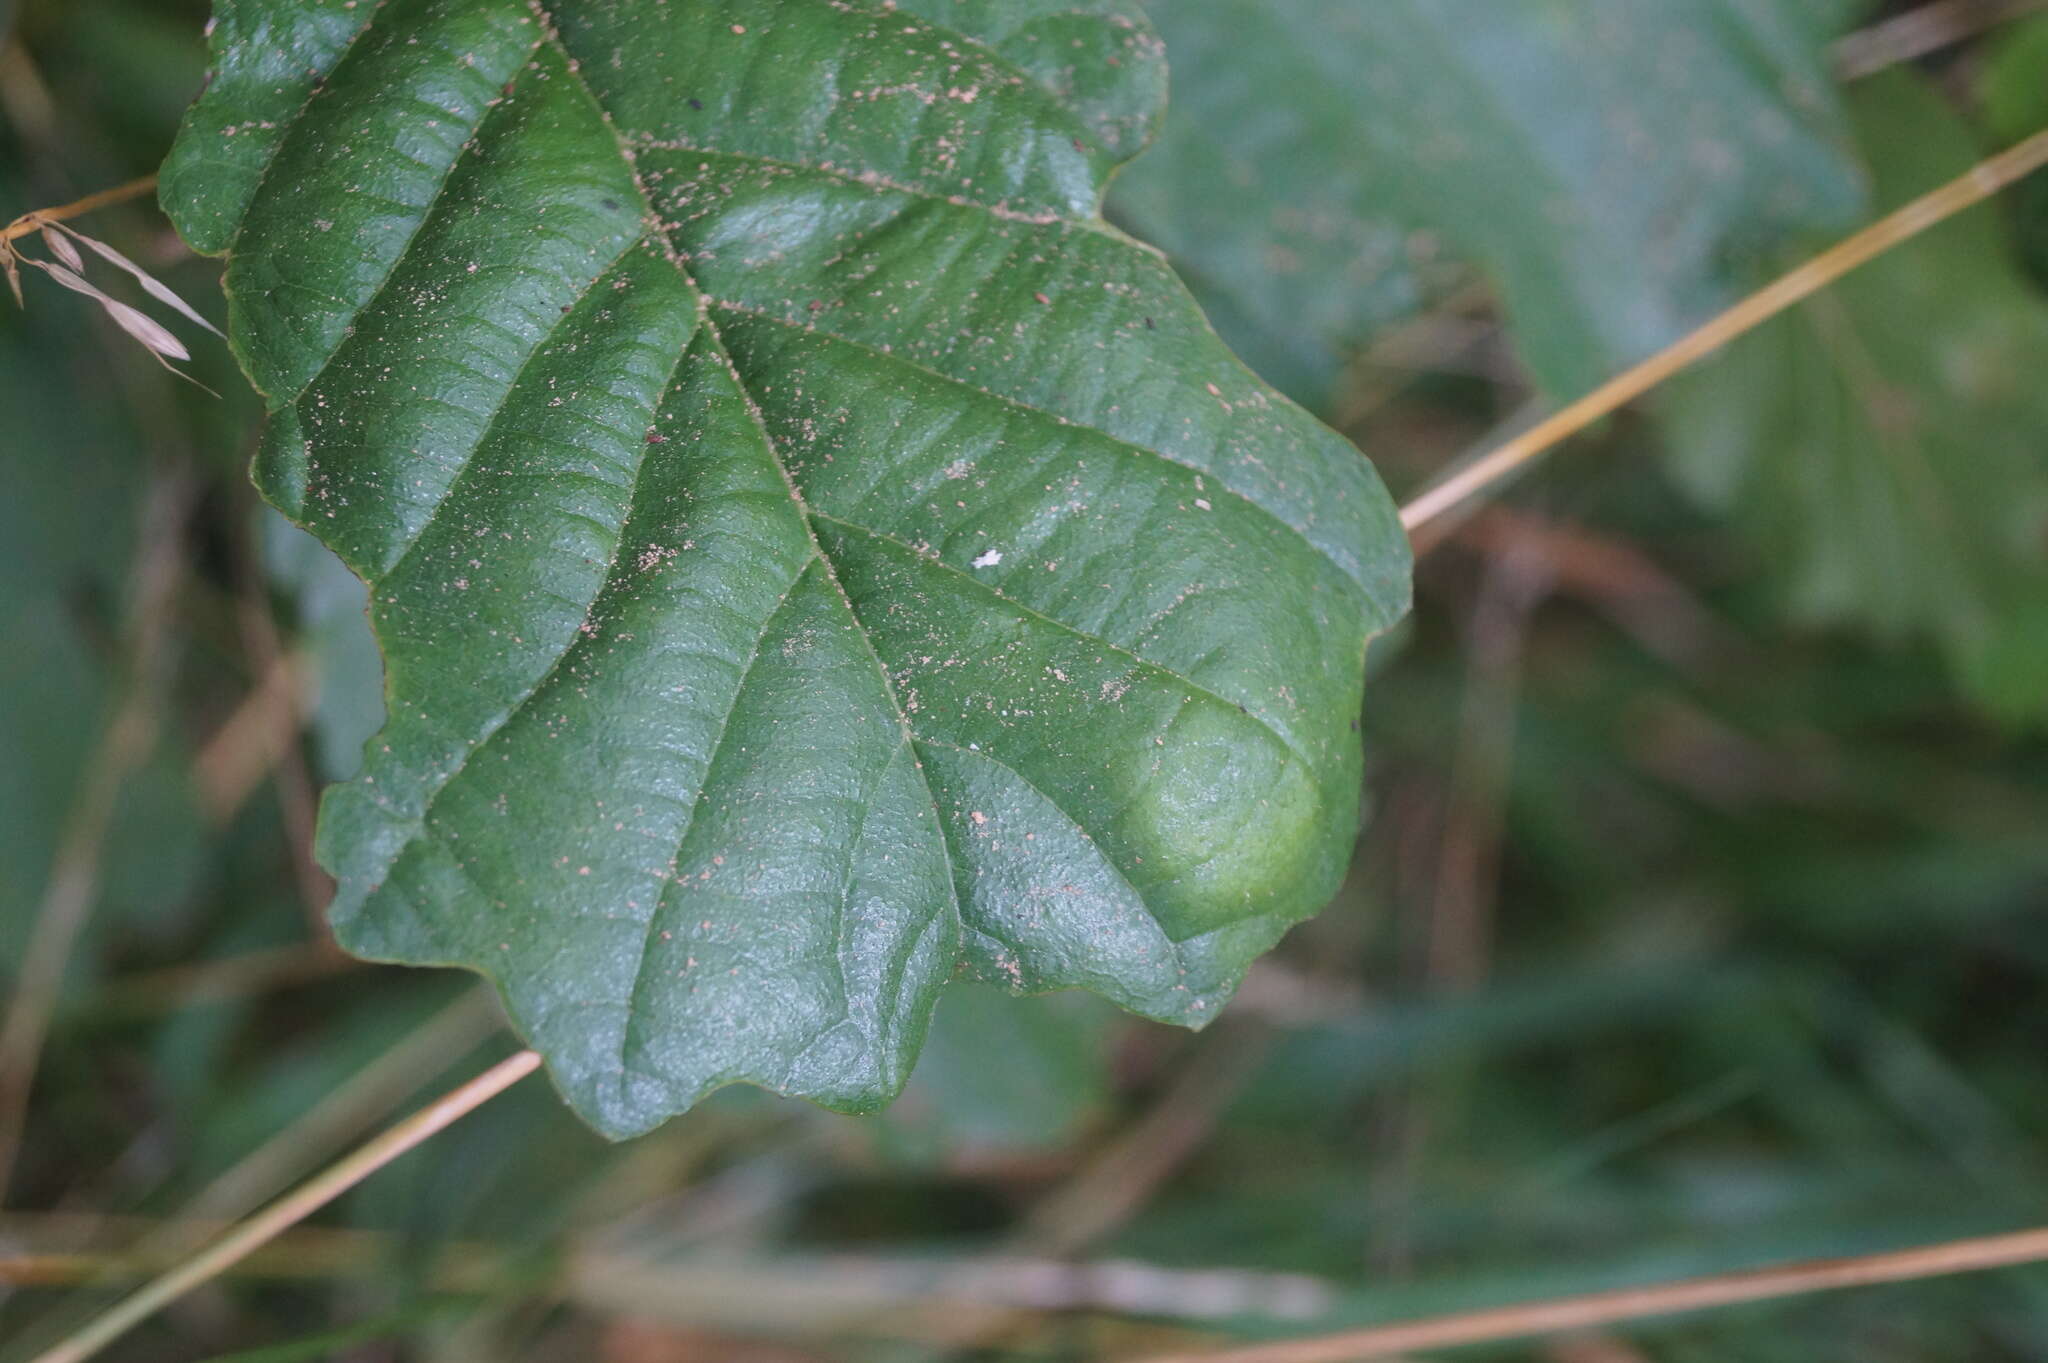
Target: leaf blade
{"points": [[685, 584]]}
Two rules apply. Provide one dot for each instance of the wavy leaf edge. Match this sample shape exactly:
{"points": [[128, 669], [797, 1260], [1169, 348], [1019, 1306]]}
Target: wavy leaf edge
{"points": [[858, 1059]]}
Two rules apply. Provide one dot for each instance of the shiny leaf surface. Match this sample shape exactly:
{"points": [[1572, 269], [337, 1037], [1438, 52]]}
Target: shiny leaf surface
{"points": [[812, 552]]}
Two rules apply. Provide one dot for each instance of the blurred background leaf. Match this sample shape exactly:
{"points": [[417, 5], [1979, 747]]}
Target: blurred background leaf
{"points": [[2012, 88], [1617, 170], [1679, 939], [1885, 439]]}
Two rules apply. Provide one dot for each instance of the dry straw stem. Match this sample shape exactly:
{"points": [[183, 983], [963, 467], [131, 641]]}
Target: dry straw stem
{"points": [[68, 270], [253, 740], [294, 1207], [1967, 191], [1638, 1303], [77, 208], [93, 1250], [328, 1127]]}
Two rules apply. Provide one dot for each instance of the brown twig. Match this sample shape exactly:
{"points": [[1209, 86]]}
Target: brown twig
{"points": [[1118, 1180], [1967, 191], [1462, 898], [25, 98], [1453, 956], [1597, 1309], [1623, 582], [74, 1249], [250, 743], [77, 208]]}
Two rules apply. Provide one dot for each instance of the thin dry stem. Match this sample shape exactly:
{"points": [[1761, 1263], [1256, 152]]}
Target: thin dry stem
{"points": [[1616, 577], [1461, 905], [297, 792], [25, 99], [1892, 230], [63, 242], [352, 1108], [1563, 1314], [77, 208], [89, 1250], [289, 1210]]}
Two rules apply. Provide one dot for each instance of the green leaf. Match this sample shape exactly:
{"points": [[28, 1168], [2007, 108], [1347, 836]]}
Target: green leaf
{"points": [[1612, 164], [2013, 84], [1883, 440], [1100, 58], [2012, 89], [1053, 1079], [813, 554]]}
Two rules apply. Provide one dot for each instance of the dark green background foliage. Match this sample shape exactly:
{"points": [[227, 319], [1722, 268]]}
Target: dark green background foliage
{"points": [[1613, 165], [1700, 915]]}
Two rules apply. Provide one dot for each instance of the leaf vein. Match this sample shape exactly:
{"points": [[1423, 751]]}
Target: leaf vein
{"points": [[1122, 443], [497, 411], [426, 213], [1137, 659]]}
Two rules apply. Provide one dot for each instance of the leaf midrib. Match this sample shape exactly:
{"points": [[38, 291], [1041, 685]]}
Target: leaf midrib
{"points": [[824, 560], [708, 332], [653, 233], [551, 33]]}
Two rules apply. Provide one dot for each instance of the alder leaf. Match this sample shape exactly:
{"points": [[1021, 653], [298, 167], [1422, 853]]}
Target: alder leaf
{"points": [[1612, 165], [813, 554]]}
